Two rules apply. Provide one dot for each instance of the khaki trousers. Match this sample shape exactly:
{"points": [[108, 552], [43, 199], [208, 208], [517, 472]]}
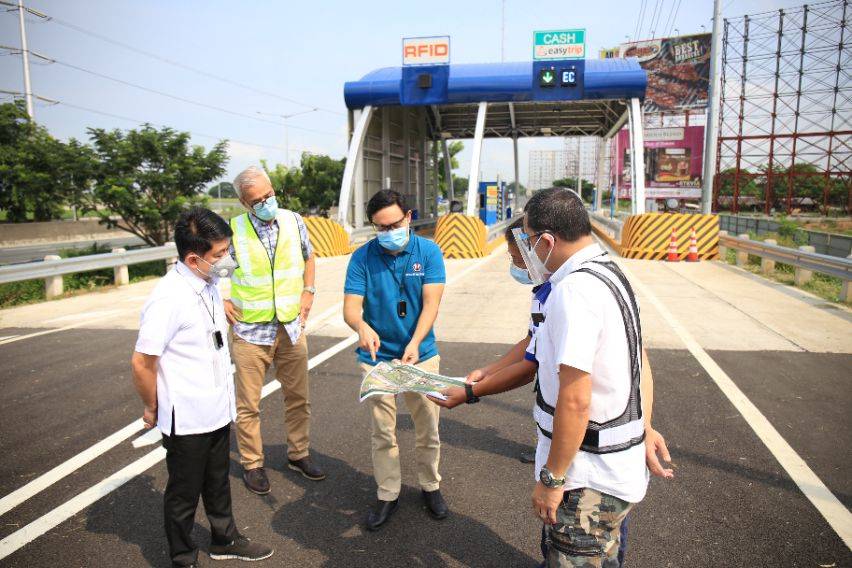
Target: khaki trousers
{"points": [[291, 370], [427, 447]]}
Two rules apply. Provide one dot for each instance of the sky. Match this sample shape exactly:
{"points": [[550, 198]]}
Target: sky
{"points": [[255, 61]]}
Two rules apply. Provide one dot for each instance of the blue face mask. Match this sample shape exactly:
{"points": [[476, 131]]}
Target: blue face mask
{"points": [[395, 239], [520, 275], [266, 210]]}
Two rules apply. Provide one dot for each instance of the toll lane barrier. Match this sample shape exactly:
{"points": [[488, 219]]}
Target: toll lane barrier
{"points": [[460, 236], [328, 238], [647, 236]]}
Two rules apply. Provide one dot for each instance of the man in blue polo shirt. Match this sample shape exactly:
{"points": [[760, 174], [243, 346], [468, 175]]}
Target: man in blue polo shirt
{"points": [[393, 289]]}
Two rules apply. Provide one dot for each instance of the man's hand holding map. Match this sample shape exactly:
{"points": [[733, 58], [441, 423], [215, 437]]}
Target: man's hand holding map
{"points": [[393, 378]]}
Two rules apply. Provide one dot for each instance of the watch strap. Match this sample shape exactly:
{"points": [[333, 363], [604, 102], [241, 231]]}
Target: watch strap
{"points": [[468, 390]]}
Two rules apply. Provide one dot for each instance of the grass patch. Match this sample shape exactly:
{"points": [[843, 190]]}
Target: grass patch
{"points": [[821, 285], [32, 291]]}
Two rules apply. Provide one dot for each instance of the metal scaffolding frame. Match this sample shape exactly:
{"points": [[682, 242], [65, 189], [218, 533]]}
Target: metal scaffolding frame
{"points": [[785, 126]]}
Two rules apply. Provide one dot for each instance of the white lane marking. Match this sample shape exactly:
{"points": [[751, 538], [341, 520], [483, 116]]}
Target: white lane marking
{"points": [[80, 323], [45, 480], [4, 337], [838, 516], [49, 520], [149, 438]]}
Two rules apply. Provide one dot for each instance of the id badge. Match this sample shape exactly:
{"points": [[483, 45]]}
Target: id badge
{"points": [[401, 308]]}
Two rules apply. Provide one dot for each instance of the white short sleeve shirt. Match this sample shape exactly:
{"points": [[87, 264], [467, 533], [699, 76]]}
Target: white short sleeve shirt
{"points": [[584, 329], [194, 379]]}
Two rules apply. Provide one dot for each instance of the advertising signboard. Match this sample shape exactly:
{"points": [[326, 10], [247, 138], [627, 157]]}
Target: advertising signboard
{"points": [[673, 162]]}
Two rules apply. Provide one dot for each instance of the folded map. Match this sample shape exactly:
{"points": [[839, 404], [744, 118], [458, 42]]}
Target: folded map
{"points": [[394, 378]]}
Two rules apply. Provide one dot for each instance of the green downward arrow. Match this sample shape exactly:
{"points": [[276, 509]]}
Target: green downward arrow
{"points": [[547, 77]]}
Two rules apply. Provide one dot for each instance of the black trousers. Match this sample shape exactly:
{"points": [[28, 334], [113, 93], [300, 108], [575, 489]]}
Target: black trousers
{"points": [[198, 465]]}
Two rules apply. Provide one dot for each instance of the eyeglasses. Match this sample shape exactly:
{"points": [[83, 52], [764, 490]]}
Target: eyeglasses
{"points": [[529, 238], [260, 200], [391, 227]]}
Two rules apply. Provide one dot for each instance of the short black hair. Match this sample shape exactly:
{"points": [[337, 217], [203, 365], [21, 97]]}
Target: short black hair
{"points": [[559, 211], [385, 198], [516, 224], [197, 229]]}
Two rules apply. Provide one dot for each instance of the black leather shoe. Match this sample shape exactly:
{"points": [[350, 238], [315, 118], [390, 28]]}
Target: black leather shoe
{"points": [[381, 514], [256, 481], [435, 504], [307, 468], [527, 457]]}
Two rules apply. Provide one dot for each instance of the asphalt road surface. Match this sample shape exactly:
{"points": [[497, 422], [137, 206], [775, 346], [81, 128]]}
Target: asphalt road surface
{"points": [[731, 503]]}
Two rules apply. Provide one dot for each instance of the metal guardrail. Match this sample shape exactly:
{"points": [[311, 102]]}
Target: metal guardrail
{"points": [[53, 268], [614, 225], [496, 229], [824, 264]]}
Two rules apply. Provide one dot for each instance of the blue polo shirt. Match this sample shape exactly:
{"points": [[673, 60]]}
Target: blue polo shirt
{"points": [[376, 275]]}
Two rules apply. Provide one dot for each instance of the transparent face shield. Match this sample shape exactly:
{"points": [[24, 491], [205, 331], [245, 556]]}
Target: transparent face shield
{"points": [[535, 267]]}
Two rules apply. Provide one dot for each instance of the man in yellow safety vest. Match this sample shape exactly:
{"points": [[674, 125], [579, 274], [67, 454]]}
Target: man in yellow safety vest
{"points": [[272, 291]]}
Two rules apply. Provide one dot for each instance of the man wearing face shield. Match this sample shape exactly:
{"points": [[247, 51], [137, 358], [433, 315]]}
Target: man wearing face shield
{"points": [[182, 372], [272, 291], [392, 293]]}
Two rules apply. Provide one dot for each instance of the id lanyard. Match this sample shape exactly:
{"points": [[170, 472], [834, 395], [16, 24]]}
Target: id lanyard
{"points": [[401, 305]]}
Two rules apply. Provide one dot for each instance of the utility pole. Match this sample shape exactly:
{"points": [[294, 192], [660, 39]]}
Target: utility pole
{"points": [[25, 53], [285, 118], [502, 31], [711, 130]]}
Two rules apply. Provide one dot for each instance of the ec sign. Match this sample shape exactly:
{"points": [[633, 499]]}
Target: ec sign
{"points": [[559, 44], [426, 50]]}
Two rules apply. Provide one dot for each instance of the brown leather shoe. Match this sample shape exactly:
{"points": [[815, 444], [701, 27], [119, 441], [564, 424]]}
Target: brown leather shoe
{"points": [[307, 468], [256, 481]]}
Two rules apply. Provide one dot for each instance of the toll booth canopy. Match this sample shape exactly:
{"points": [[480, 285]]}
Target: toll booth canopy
{"points": [[400, 118]]}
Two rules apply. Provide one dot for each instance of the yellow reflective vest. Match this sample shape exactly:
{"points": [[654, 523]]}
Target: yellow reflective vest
{"points": [[265, 289]]}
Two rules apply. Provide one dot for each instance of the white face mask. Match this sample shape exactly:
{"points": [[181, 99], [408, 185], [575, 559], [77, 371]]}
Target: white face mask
{"points": [[223, 268], [539, 274]]}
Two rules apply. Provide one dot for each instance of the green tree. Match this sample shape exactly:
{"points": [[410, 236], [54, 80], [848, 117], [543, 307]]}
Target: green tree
{"points": [[511, 187], [224, 188], [571, 183], [311, 187], [453, 148], [748, 186], [145, 178], [38, 173], [287, 183], [321, 180]]}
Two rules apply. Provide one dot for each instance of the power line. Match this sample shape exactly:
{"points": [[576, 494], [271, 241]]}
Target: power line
{"points": [[639, 20], [49, 60], [671, 27], [139, 121], [183, 66]]}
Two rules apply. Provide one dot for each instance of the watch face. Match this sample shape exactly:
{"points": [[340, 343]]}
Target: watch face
{"points": [[545, 476]]}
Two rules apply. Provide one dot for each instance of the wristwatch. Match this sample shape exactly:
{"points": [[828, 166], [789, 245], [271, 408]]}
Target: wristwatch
{"points": [[468, 390], [310, 289], [547, 479]]}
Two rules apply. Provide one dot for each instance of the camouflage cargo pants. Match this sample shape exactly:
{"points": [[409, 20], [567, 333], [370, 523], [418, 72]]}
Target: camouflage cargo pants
{"points": [[587, 531]]}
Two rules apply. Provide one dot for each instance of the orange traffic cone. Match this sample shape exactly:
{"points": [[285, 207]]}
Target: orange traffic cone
{"points": [[673, 255], [692, 255]]}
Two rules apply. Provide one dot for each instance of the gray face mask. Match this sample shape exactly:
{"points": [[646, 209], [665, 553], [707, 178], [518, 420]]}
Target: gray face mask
{"points": [[223, 268]]}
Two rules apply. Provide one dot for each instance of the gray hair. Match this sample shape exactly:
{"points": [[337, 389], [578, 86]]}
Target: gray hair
{"points": [[248, 178]]}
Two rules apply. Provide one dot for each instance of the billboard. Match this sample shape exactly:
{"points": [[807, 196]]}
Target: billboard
{"points": [[678, 71], [434, 50], [673, 162]]}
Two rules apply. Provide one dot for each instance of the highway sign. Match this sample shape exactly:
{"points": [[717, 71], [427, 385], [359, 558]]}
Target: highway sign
{"points": [[559, 44], [433, 50]]}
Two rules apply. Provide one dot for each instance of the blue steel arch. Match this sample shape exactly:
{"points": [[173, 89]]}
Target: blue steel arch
{"points": [[499, 82]]}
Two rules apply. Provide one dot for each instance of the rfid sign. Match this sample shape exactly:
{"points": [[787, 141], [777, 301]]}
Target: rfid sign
{"points": [[559, 44]]}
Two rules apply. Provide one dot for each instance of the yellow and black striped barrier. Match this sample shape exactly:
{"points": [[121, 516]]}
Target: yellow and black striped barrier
{"points": [[461, 236], [328, 238], [647, 236]]}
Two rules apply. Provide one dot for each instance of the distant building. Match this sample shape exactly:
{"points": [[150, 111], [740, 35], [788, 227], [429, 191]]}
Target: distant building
{"points": [[546, 166]]}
